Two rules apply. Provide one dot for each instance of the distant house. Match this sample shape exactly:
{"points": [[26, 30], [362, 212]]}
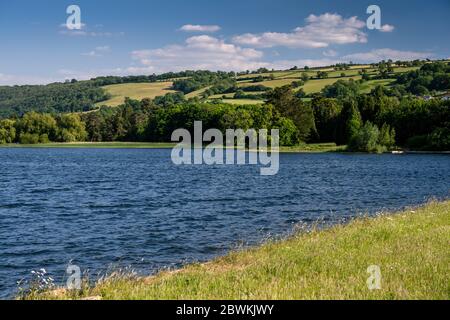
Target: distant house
{"points": [[446, 97]]}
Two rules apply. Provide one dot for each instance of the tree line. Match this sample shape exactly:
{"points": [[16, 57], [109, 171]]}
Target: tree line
{"points": [[372, 123], [35, 128]]}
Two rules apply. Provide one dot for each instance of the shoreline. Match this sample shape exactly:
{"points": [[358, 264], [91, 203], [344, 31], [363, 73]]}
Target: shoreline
{"points": [[311, 148], [307, 148], [410, 247]]}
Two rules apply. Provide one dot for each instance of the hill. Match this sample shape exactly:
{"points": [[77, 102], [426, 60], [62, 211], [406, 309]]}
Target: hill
{"points": [[280, 78], [234, 88]]}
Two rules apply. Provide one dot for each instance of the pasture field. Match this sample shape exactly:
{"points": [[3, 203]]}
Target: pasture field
{"points": [[369, 85], [242, 101], [281, 78], [197, 93], [313, 86], [136, 91]]}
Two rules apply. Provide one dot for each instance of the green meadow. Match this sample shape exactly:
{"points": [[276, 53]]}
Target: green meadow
{"points": [[137, 91]]}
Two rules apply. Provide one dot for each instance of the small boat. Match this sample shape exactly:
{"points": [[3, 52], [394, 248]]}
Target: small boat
{"points": [[398, 152]]}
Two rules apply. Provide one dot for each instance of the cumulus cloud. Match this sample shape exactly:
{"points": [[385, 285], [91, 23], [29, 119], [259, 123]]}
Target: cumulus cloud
{"points": [[318, 32], [199, 28], [386, 54], [199, 52], [387, 28]]}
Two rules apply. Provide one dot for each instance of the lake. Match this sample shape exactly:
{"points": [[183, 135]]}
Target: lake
{"points": [[128, 207]]}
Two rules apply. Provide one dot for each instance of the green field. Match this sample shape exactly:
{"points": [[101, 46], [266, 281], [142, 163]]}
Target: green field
{"points": [[269, 83], [231, 95], [409, 247], [242, 101], [136, 91], [313, 86], [197, 94], [369, 85], [151, 90], [316, 85]]}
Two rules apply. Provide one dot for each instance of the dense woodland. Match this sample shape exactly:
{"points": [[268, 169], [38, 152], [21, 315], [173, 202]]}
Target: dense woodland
{"points": [[82, 96], [374, 122], [53, 98]]}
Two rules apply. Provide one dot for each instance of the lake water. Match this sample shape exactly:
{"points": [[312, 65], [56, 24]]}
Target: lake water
{"points": [[103, 207]]}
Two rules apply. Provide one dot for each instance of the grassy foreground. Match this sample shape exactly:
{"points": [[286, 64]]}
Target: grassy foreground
{"points": [[411, 248]]}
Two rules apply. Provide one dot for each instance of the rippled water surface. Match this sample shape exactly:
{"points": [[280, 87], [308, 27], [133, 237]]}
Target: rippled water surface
{"points": [[102, 207]]}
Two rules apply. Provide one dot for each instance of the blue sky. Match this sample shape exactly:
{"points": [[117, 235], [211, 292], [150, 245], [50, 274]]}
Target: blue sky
{"points": [[144, 37]]}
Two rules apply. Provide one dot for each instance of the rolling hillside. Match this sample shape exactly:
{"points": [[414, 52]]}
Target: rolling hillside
{"points": [[272, 80]]}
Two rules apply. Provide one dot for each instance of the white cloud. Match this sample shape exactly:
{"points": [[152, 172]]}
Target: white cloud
{"points": [[85, 32], [330, 53], [319, 32], [387, 28], [68, 74], [103, 48], [312, 63], [198, 53], [11, 80], [386, 54], [97, 52], [199, 28], [3, 78]]}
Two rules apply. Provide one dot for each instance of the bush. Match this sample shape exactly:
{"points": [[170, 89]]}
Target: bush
{"points": [[367, 140], [70, 128], [387, 136], [7, 131], [43, 138], [255, 88], [67, 136], [29, 138], [288, 132]]}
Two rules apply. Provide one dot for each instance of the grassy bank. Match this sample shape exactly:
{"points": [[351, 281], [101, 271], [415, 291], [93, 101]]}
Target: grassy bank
{"points": [[410, 247], [314, 148], [94, 145], [321, 147]]}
